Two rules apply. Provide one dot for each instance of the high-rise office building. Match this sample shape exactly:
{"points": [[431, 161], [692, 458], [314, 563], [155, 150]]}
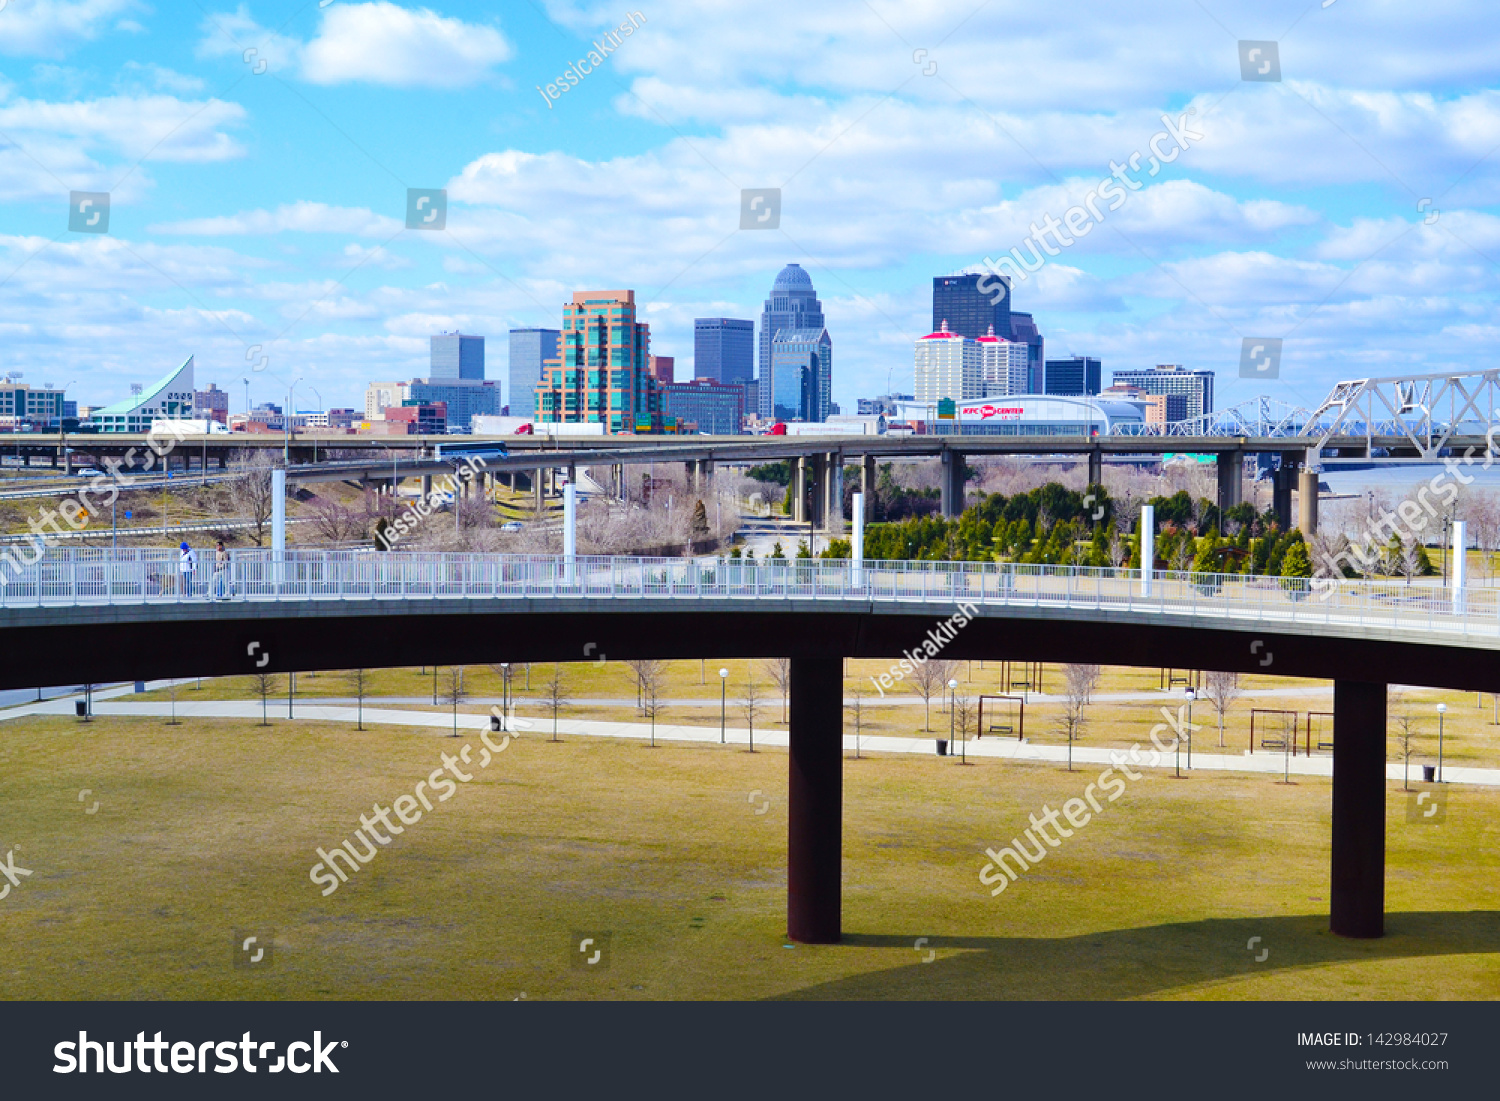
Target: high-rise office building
{"points": [[800, 375], [211, 404], [1172, 379], [529, 349], [1023, 328], [793, 306], [724, 349], [713, 408], [1077, 376], [601, 375], [455, 355], [947, 365], [968, 310], [663, 369]]}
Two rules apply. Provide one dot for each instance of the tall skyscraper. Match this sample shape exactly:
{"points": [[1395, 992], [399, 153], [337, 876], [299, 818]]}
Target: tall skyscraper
{"points": [[455, 355], [793, 305], [724, 349], [969, 310], [800, 375], [1077, 376], [601, 373], [1172, 380], [529, 349], [1022, 327]]}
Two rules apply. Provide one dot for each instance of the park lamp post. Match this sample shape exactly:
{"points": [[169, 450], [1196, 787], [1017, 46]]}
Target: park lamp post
{"points": [[1442, 709], [723, 701], [952, 699], [1188, 730]]}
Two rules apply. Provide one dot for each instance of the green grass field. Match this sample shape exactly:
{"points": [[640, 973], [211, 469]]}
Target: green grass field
{"points": [[210, 828]]}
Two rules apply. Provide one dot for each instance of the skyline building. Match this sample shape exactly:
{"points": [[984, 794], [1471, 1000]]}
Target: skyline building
{"points": [[1173, 380], [800, 374], [1077, 376], [968, 310], [715, 408], [1004, 366], [601, 374], [947, 365], [170, 398], [529, 349], [1023, 328], [792, 306], [724, 349], [455, 355]]}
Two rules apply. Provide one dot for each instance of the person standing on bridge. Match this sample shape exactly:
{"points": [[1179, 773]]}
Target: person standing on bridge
{"points": [[187, 565], [220, 588]]}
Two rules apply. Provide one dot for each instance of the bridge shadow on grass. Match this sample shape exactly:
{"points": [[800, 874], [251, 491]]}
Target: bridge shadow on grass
{"points": [[1137, 963]]}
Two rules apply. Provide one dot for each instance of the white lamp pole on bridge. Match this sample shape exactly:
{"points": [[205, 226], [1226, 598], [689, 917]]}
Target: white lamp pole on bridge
{"points": [[1460, 539], [858, 541], [1148, 546]]}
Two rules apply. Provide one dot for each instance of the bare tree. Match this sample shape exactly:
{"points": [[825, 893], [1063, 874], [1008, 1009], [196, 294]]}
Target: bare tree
{"points": [[454, 692], [1221, 690], [780, 671], [358, 681], [1407, 732], [857, 709], [653, 678], [963, 713], [750, 705], [557, 697], [640, 669], [1410, 562], [251, 494], [930, 678], [336, 523], [265, 687], [1078, 684]]}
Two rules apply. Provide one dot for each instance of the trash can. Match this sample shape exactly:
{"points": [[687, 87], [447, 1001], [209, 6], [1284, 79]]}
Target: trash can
{"points": [[494, 722], [942, 747], [81, 709], [1429, 773]]}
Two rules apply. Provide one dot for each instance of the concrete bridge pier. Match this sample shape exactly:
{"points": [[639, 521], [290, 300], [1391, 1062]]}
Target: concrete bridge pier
{"points": [[833, 491], [1357, 895], [818, 514], [1307, 500], [867, 484], [426, 486], [1096, 467], [953, 483], [1281, 490], [801, 470], [815, 801], [1231, 472]]}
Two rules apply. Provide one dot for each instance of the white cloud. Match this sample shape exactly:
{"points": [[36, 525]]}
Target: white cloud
{"points": [[299, 217], [372, 43], [46, 28]]}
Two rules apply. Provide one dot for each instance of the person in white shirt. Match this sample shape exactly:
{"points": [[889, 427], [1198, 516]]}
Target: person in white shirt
{"points": [[187, 565]]}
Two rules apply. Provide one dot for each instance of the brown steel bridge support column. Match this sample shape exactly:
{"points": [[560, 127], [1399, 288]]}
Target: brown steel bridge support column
{"points": [[815, 801], [1281, 490], [1358, 874]]}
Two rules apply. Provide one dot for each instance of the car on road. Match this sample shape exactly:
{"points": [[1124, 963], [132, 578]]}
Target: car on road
{"points": [[90, 472], [511, 525]]}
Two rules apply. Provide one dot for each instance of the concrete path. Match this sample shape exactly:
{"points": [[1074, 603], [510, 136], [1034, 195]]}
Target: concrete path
{"points": [[1085, 758]]}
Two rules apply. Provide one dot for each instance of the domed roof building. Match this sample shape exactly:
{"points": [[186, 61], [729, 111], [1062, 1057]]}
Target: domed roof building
{"points": [[793, 318]]}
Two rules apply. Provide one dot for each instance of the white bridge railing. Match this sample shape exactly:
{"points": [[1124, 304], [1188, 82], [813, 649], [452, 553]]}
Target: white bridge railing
{"points": [[89, 577]]}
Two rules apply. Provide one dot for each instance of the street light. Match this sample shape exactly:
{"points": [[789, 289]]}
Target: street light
{"points": [[723, 701], [1191, 696], [1442, 709], [952, 690], [286, 451]]}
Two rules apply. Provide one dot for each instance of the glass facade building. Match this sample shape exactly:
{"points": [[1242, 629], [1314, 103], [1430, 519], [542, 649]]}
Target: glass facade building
{"points": [[1076, 376], [801, 373], [793, 308], [724, 349], [601, 374], [529, 349], [455, 355], [968, 310]]}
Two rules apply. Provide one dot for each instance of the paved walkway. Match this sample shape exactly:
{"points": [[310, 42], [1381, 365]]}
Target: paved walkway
{"points": [[1084, 757]]}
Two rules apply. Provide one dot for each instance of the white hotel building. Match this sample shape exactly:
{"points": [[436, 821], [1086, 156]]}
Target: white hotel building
{"points": [[952, 366]]}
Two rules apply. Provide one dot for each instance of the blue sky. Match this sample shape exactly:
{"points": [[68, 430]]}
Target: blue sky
{"points": [[1348, 208]]}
